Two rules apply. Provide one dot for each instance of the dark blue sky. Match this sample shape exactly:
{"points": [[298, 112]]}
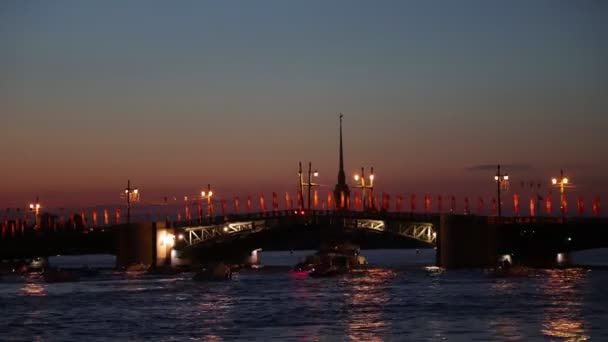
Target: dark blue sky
{"points": [[180, 94]]}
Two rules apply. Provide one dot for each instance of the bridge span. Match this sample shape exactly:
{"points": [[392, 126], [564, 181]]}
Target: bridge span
{"points": [[460, 240]]}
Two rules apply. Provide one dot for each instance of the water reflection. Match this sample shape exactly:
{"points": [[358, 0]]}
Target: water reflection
{"points": [[367, 304], [506, 329], [563, 317], [215, 306], [33, 289]]}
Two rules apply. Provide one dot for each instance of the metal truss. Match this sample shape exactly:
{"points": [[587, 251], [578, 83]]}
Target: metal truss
{"points": [[203, 233], [420, 231], [371, 224]]}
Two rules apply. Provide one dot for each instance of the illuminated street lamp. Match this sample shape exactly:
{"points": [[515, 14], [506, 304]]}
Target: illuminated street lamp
{"points": [[208, 194], [562, 182], [36, 208], [310, 184], [502, 182], [132, 195], [360, 179]]}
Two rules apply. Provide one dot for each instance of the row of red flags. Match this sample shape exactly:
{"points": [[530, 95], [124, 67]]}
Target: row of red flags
{"points": [[359, 202]]}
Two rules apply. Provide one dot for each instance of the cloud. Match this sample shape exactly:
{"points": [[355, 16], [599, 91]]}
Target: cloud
{"points": [[506, 167]]}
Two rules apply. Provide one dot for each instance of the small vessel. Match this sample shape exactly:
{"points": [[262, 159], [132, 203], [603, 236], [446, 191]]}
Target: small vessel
{"points": [[332, 260], [216, 271]]}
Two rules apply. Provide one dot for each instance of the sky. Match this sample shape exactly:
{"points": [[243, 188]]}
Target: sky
{"points": [[178, 95]]}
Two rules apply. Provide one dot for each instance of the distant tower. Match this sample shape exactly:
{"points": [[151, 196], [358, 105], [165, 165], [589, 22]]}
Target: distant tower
{"points": [[341, 186]]}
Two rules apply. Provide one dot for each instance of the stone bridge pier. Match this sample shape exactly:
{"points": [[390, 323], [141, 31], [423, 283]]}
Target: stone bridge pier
{"points": [[466, 242]]}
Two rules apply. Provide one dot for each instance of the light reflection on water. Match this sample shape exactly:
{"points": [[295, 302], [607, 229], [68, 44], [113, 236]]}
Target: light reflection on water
{"points": [[367, 296], [563, 316], [384, 302]]}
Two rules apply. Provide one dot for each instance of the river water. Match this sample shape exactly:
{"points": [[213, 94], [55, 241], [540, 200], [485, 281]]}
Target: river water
{"points": [[395, 299]]}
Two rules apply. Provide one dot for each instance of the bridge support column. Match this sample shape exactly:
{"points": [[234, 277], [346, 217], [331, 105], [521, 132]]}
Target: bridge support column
{"points": [[136, 244], [466, 242]]}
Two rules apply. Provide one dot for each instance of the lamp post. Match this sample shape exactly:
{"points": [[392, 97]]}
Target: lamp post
{"points": [[562, 182], [502, 181], [309, 184], [132, 196], [36, 208], [208, 194], [360, 179]]}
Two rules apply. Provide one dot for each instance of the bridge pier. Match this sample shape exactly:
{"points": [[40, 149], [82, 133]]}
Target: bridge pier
{"points": [[145, 243], [466, 242]]}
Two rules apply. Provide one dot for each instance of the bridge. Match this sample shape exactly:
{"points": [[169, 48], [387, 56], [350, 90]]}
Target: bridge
{"points": [[471, 239], [460, 240]]}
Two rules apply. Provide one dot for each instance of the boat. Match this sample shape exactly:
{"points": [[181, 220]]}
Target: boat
{"points": [[331, 260], [214, 272]]}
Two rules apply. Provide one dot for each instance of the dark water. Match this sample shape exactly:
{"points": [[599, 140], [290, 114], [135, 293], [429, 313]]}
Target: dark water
{"points": [[395, 299]]}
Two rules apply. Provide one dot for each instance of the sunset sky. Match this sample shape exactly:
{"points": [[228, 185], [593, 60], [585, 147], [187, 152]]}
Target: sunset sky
{"points": [[176, 95]]}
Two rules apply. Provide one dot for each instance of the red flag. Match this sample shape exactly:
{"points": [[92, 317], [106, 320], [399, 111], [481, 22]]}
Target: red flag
{"points": [[427, 203], [287, 200], [581, 205], [94, 218], [342, 200], [248, 203], [532, 208], [348, 202], [179, 217], [516, 204], [84, 218], [262, 204], [106, 217], [548, 205], [210, 208], [494, 207], [315, 202], [564, 205], [223, 207], [187, 214], [275, 201], [236, 204], [329, 201], [384, 204], [300, 203], [399, 199], [199, 210], [117, 215], [439, 204], [413, 202], [596, 207]]}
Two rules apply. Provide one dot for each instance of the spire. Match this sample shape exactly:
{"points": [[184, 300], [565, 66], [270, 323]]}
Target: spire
{"points": [[341, 187], [341, 177]]}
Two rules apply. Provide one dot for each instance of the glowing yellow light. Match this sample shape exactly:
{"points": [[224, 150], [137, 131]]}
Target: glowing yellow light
{"points": [[202, 193], [135, 191], [225, 229], [356, 178], [31, 206], [495, 178], [505, 177], [554, 181], [168, 239], [371, 177], [316, 174], [126, 191], [565, 180], [180, 236], [210, 193], [37, 206]]}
